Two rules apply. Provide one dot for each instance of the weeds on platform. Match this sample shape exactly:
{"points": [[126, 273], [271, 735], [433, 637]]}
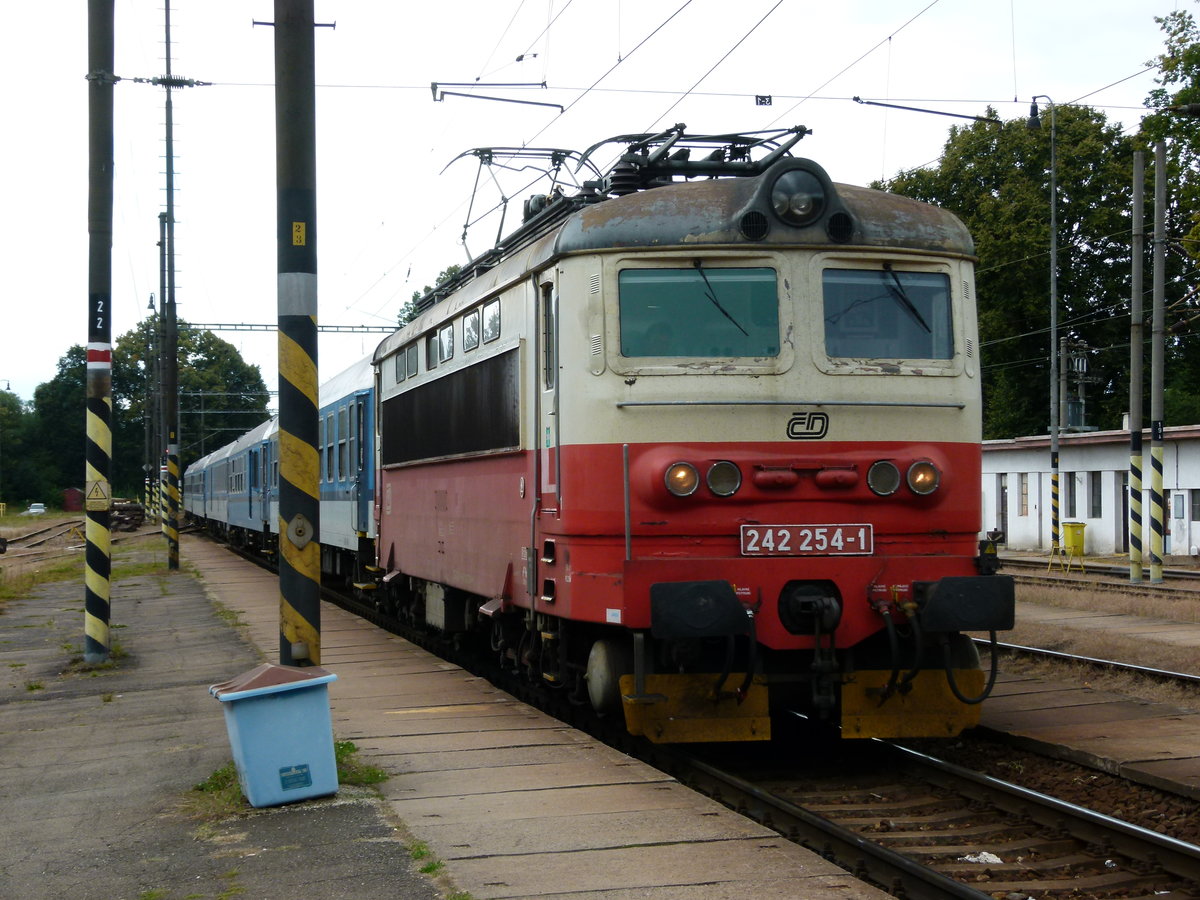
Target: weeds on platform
{"points": [[219, 796]]}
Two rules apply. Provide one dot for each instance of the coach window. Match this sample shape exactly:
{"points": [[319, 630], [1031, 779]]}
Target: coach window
{"points": [[411, 361], [471, 330], [699, 312], [446, 343], [491, 321], [343, 449], [329, 437], [886, 313]]}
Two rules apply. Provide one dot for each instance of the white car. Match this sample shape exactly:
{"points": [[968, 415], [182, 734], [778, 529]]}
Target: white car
{"points": [[35, 509]]}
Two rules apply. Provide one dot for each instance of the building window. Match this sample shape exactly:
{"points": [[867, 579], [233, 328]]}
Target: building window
{"points": [[1095, 501], [1024, 494], [1194, 496], [1068, 495]]}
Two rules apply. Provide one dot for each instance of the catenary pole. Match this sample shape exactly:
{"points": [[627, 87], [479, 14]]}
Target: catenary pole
{"points": [[98, 450], [299, 467], [1136, 329], [1156, 364], [170, 348]]}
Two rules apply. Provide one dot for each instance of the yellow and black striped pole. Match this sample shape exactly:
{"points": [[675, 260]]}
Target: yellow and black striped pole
{"points": [[98, 451], [1135, 372], [299, 462], [1157, 351]]}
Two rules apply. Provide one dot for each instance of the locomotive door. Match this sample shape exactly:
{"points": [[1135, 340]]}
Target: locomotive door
{"points": [[548, 405]]}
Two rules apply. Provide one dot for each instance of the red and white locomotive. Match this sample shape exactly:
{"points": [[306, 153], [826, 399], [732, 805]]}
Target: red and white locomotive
{"points": [[700, 444]]}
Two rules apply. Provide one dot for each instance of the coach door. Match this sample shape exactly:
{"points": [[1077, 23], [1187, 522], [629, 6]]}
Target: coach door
{"points": [[358, 456]]}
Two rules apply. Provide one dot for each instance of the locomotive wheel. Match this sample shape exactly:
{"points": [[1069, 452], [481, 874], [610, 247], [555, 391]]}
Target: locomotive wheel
{"points": [[608, 660]]}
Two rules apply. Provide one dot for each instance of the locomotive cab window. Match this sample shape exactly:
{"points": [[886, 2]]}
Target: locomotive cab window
{"points": [[470, 324], [886, 313], [699, 312]]}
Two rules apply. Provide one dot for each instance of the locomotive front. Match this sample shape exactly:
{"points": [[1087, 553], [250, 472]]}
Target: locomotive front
{"points": [[749, 415]]}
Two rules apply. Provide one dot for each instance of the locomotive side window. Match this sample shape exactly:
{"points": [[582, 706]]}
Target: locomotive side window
{"points": [[471, 330], [887, 314], [410, 356], [699, 312], [431, 352], [445, 343], [491, 321], [399, 367]]}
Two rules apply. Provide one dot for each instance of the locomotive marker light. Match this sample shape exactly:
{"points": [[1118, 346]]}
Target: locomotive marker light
{"points": [[798, 197], [923, 477], [682, 479], [883, 477], [724, 478]]}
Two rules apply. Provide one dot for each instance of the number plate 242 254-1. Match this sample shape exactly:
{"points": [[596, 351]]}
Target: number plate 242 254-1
{"points": [[807, 540]]}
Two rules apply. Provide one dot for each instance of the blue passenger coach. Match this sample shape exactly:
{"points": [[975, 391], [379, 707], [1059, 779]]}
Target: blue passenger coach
{"points": [[233, 492]]}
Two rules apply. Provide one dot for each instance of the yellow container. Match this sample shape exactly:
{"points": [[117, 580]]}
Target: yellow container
{"points": [[1073, 537]]}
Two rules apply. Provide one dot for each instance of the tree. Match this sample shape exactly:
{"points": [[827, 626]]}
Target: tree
{"points": [[1179, 86], [220, 395], [58, 429], [408, 311], [21, 479], [996, 177]]}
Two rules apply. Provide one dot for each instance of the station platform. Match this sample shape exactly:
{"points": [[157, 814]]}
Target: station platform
{"points": [[504, 801], [1149, 743]]}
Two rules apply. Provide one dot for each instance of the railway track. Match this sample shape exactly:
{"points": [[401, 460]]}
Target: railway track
{"points": [[914, 825], [1100, 577], [927, 830]]}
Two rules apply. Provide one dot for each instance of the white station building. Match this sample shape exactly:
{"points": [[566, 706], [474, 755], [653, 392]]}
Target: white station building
{"points": [[1093, 490]]}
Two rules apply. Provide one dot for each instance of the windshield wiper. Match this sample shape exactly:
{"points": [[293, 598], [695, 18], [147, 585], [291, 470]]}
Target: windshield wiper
{"points": [[901, 295], [712, 295]]}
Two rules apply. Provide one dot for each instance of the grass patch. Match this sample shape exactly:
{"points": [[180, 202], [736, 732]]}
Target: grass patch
{"points": [[352, 770], [219, 796]]}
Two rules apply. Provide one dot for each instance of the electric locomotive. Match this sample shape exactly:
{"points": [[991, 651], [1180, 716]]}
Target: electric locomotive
{"points": [[700, 444]]}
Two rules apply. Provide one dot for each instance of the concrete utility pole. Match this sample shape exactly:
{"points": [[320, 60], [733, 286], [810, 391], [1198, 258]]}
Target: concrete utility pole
{"points": [[98, 451], [1156, 364], [299, 466], [1135, 371]]}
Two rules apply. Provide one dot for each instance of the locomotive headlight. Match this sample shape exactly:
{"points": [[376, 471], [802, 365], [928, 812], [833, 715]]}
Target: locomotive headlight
{"points": [[798, 197], [724, 478], [883, 478], [923, 477], [682, 479]]}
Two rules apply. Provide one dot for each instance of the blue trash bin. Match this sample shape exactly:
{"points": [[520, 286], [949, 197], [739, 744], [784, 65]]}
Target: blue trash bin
{"points": [[281, 732]]}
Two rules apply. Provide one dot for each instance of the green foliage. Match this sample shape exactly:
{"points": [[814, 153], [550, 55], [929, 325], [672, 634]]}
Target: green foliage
{"points": [[408, 312], [220, 397], [997, 179]]}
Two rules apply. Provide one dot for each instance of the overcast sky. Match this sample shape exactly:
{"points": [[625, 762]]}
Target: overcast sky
{"points": [[388, 218]]}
